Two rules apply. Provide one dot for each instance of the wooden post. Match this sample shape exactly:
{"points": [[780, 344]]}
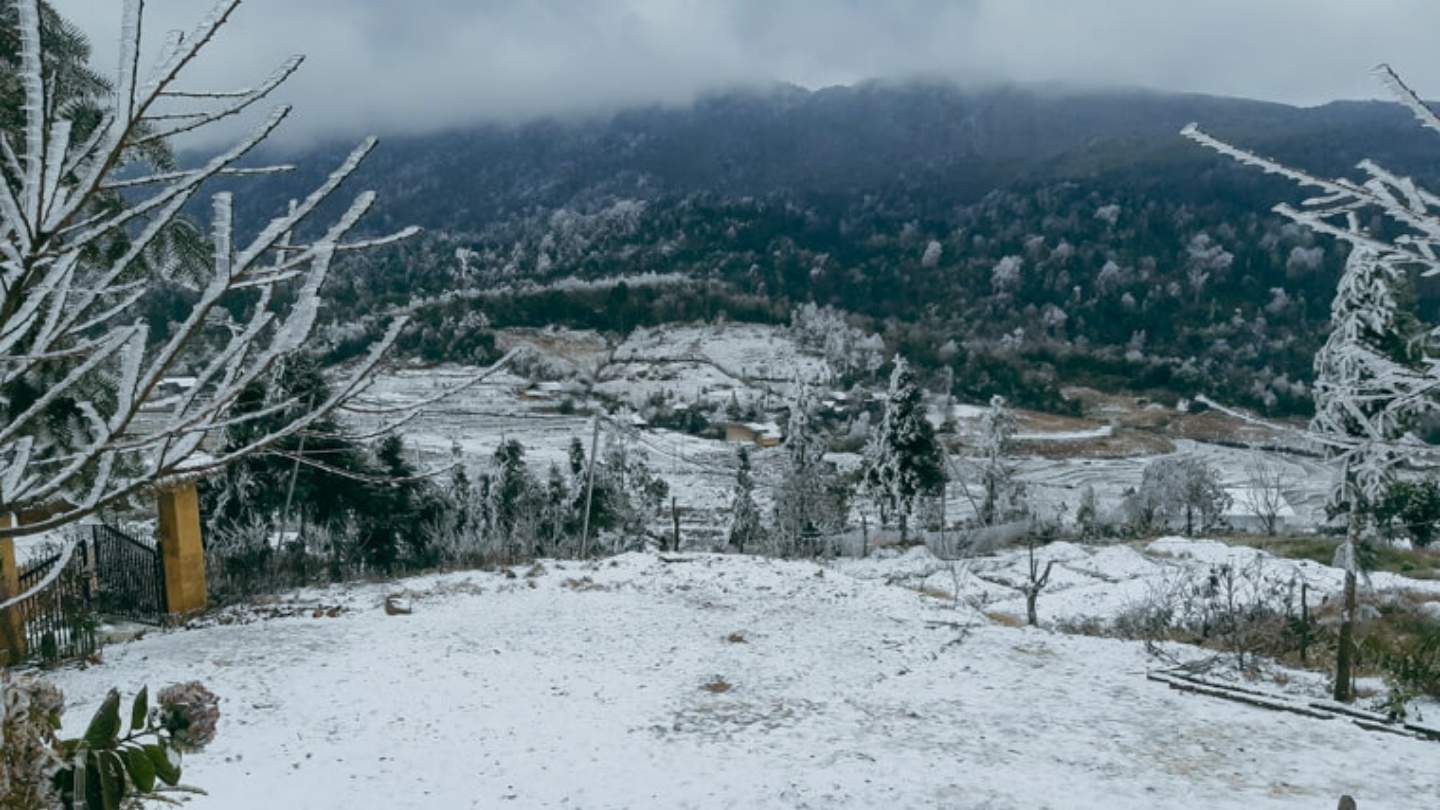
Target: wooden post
{"points": [[181, 550], [12, 624]]}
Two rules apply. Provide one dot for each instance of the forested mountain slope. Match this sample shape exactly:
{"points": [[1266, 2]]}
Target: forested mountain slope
{"points": [[1024, 236]]}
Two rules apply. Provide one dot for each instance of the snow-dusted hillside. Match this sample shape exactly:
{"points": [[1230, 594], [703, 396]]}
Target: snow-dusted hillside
{"points": [[727, 681], [711, 365]]}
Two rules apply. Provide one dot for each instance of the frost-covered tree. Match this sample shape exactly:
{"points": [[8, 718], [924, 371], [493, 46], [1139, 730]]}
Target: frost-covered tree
{"points": [[745, 527], [1005, 275], [1368, 384], [810, 500], [847, 349], [903, 461], [1087, 514], [1002, 493], [933, 252], [1265, 479], [77, 362], [1367, 391], [1175, 488]]}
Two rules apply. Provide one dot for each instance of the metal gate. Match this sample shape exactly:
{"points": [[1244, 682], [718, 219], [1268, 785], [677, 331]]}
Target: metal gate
{"points": [[129, 576], [59, 622]]}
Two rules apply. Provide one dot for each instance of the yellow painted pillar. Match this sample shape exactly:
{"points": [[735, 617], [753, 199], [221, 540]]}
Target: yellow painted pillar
{"points": [[12, 624], [181, 550]]}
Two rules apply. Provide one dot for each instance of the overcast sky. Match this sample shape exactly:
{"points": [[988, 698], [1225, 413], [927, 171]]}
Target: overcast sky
{"points": [[415, 65]]}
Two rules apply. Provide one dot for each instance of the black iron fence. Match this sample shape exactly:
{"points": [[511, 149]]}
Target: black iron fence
{"points": [[59, 621], [108, 573], [129, 575]]}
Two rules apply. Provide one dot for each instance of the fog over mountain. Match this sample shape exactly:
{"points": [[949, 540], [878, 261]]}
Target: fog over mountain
{"points": [[405, 67]]}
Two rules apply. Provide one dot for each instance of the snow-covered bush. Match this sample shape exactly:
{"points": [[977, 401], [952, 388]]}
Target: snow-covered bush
{"points": [[1242, 608]]}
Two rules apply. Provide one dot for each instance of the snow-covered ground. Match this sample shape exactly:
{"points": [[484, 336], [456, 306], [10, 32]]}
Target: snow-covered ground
{"points": [[834, 686]]}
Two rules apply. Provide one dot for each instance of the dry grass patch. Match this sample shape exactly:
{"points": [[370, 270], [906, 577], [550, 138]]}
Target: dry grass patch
{"points": [[1004, 619], [935, 593]]}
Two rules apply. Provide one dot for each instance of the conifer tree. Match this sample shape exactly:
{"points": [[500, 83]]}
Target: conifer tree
{"points": [[810, 499], [1369, 385], [903, 460], [745, 527], [1368, 390]]}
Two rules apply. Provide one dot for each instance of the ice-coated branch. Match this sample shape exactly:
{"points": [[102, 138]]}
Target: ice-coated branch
{"points": [[1407, 97], [72, 274], [1414, 209]]}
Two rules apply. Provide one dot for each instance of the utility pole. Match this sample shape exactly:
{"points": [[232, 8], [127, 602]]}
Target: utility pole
{"points": [[589, 489]]}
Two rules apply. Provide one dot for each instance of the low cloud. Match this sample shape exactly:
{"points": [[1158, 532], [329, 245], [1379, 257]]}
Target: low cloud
{"points": [[417, 65]]}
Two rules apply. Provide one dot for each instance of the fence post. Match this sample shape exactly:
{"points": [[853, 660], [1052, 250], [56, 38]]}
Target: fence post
{"points": [[12, 624], [182, 552]]}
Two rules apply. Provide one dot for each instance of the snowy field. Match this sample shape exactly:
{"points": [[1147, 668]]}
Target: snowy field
{"points": [[726, 681]]}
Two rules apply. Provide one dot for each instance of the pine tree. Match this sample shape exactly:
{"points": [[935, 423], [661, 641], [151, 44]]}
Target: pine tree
{"points": [[557, 500], [516, 503], [389, 520], [1366, 389], [745, 527], [811, 499], [903, 460]]}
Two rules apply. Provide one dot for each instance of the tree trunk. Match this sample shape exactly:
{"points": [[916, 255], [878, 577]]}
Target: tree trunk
{"points": [[1031, 616], [1344, 653], [904, 529]]}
